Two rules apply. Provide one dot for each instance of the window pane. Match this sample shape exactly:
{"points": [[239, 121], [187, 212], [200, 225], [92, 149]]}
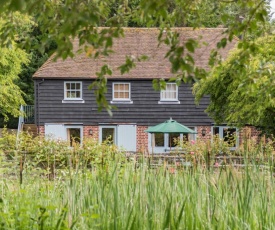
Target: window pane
{"points": [[229, 136], [74, 136], [121, 87], [216, 131], [185, 137], [108, 134], [73, 90], [121, 91], [173, 139], [159, 139], [120, 95], [170, 92]]}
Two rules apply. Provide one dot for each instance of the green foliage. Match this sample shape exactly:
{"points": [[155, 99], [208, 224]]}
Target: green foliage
{"points": [[62, 21], [140, 198], [97, 187], [241, 90], [11, 60]]}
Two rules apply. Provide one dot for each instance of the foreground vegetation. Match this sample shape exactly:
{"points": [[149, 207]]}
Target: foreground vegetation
{"points": [[118, 193]]}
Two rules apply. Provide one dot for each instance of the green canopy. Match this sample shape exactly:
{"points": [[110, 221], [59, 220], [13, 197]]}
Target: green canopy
{"points": [[169, 126]]}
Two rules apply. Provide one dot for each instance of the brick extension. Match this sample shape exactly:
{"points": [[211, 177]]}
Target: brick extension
{"points": [[142, 139]]}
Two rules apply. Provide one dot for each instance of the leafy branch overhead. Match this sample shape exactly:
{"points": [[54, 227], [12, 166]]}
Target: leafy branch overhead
{"points": [[62, 21], [242, 88]]}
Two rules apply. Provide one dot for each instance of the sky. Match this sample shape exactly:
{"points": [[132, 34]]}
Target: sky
{"points": [[272, 4]]}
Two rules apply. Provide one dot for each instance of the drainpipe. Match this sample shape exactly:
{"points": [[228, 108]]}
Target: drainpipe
{"points": [[38, 104]]}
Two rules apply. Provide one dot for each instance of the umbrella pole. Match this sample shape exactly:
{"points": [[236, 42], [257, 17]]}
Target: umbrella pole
{"points": [[170, 143]]}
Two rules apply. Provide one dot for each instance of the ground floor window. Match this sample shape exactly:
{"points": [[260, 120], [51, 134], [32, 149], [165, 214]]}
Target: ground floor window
{"points": [[159, 139], [174, 139], [228, 134], [74, 136], [108, 135], [164, 142]]}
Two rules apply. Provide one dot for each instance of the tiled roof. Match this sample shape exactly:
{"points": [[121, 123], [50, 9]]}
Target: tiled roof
{"points": [[136, 42]]}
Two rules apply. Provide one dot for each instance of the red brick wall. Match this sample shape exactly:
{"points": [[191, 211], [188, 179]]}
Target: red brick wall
{"points": [[95, 132], [142, 139], [208, 134], [249, 132], [41, 130]]}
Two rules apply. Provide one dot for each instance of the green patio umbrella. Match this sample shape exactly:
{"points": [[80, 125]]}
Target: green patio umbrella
{"points": [[169, 126]]}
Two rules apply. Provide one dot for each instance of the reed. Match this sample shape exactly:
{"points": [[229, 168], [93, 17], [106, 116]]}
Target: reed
{"points": [[123, 197], [87, 193]]}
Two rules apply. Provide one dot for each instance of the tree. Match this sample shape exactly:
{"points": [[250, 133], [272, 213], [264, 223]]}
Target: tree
{"points": [[64, 20], [11, 60], [242, 89]]}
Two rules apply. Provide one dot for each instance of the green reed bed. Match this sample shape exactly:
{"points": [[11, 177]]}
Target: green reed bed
{"points": [[125, 197], [95, 186]]}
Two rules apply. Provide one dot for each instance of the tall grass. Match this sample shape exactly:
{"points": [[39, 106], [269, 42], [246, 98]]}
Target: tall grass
{"points": [[97, 188], [122, 197]]}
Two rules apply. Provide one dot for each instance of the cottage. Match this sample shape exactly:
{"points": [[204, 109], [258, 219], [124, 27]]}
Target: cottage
{"points": [[66, 108]]}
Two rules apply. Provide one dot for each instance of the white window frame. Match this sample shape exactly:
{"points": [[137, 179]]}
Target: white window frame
{"points": [[166, 91], [221, 134], [75, 127], [73, 99], [121, 100], [108, 127]]}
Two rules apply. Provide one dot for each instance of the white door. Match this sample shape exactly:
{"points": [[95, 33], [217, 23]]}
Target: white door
{"points": [[127, 137], [55, 131]]}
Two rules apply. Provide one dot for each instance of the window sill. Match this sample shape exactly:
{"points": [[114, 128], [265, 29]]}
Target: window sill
{"points": [[168, 102], [73, 101], [121, 102]]}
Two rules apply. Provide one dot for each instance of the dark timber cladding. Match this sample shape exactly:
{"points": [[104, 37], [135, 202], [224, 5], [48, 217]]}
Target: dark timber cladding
{"points": [[145, 109]]}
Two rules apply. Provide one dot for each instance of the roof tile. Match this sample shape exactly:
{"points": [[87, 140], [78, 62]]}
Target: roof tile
{"points": [[136, 42]]}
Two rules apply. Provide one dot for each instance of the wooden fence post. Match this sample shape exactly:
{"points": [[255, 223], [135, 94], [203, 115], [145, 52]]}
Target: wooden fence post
{"points": [[21, 167]]}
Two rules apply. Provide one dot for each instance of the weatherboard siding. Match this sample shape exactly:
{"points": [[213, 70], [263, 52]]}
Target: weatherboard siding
{"points": [[145, 109]]}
